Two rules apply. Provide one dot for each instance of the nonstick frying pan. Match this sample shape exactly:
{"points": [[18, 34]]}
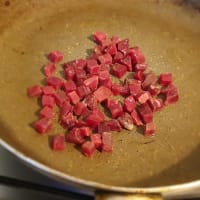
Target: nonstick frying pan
{"points": [[168, 32]]}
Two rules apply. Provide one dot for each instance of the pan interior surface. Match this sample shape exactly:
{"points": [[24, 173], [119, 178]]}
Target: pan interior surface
{"points": [[169, 36]]}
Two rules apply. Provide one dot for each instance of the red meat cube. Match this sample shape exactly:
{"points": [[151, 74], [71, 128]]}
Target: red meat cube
{"points": [[60, 98], [119, 70], [80, 63], [83, 91], [171, 97], [127, 62], [94, 118], [49, 90], [70, 73], [43, 125], [135, 88], [55, 82], [47, 112], [79, 108], [75, 136], [136, 118], [106, 83], [156, 104], [49, 69], [104, 75], [34, 91], [115, 39], [94, 69], [118, 56], [136, 55], [91, 63], [48, 101], [143, 97], [119, 89], [105, 59], [150, 79], [145, 113], [55, 56], [92, 82], [110, 125], [85, 131], [65, 108], [74, 97], [88, 148], [139, 75], [98, 49], [123, 46], [140, 67], [107, 142], [102, 93], [154, 89], [165, 79], [168, 88], [69, 86], [90, 101], [111, 49], [99, 37], [58, 142], [115, 108], [129, 104], [96, 139], [150, 129], [68, 120], [80, 76], [126, 121]]}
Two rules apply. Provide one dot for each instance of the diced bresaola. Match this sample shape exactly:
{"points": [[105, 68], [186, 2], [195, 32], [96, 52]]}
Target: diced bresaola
{"points": [[75, 136], [49, 69], [165, 79], [150, 79], [56, 56], [136, 118], [140, 67], [88, 148], [135, 87], [129, 104], [66, 108], [68, 120], [83, 91], [139, 75], [47, 112], [94, 118], [80, 76], [150, 129], [127, 62], [107, 142], [43, 125], [85, 131], [156, 104], [99, 37], [96, 139], [143, 97], [34, 91], [60, 98], [145, 113], [55, 82], [119, 70], [48, 100], [114, 107], [111, 49], [79, 108], [73, 96], [81, 63], [92, 82], [58, 142], [48, 90], [69, 86], [123, 46], [70, 73], [137, 56], [119, 89], [110, 125], [105, 59], [126, 121], [102, 93], [91, 102]]}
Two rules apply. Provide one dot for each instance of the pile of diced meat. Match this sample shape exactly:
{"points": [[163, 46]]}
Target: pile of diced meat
{"points": [[108, 91]]}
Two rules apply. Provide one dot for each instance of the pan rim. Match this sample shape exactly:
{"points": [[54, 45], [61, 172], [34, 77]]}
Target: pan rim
{"points": [[63, 177]]}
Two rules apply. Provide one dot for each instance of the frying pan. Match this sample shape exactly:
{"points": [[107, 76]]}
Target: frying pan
{"points": [[168, 32]]}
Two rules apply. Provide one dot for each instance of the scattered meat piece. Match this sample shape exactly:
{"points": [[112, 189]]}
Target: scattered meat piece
{"points": [[69, 86], [118, 56], [43, 125], [73, 96], [126, 121], [171, 97], [140, 67], [115, 108], [68, 120], [88, 148], [136, 55], [115, 39], [96, 139], [48, 101], [65, 108], [149, 129], [119, 70], [70, 73], [156, 104], [105, 59], [49, 69], [92, 82], [99, 37], [143, 97], [55, 56], [91, 102], [165, 79], [107, 142], [60, 98], [135, 88], [79, 108], [154, 89], [55, 82], [123, 46], [102, 93], [150, 79], [110, 125], [136, 118], [129, 104], [58, 142], [34, 91], [47, 112], [85, 131], [83, 91], [145, 113], [168, 88], [111, 49], [127, 62], [139, 75], [75, 136], [48, 90], [81, 63]]}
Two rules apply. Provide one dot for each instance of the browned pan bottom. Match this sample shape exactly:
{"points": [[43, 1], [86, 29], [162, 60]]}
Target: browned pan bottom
{"points": [[168, 35]]}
